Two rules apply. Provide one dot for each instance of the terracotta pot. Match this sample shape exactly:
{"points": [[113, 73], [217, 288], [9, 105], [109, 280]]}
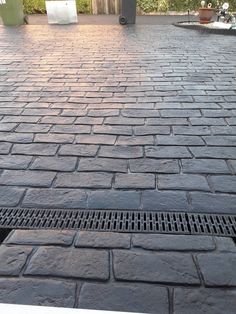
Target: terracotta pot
{"points": [[205, 15]]}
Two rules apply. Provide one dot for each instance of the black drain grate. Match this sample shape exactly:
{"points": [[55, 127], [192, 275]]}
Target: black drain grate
{"points": [[119, 221]]}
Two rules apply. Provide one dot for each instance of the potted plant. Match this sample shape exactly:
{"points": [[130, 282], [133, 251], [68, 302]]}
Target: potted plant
{"points": [[206, 12]]}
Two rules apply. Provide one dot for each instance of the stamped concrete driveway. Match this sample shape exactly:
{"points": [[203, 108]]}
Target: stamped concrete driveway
{"points": [[111, 117]]}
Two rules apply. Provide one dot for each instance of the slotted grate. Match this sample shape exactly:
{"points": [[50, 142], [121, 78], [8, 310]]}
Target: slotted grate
{"points": [[119, 221]]}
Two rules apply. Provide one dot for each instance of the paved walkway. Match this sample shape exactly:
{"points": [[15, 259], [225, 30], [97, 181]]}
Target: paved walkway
{"points": [[111, 117], [117, 117], [159, 274]]}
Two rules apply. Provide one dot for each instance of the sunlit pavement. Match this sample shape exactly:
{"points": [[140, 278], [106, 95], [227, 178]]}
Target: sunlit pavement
{"points": [[111, 117]]}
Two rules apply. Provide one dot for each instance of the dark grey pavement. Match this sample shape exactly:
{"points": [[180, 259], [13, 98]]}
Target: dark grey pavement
{"points": [[111, 117], [159, 274], [105, 116]]}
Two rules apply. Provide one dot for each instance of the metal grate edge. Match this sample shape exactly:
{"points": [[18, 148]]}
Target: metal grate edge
{"points": [[119, 221]]}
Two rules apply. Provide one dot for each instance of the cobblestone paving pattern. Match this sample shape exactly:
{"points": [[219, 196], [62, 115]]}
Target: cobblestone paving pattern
{"points": [[139, 117], [113, 271]]}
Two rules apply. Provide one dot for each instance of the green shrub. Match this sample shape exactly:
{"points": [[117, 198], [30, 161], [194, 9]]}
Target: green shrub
{"points": [[145, 6]]}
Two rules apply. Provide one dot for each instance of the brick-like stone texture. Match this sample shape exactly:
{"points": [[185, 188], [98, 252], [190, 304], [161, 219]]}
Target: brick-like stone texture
{"points": [[42, 237], [103, 164], [210, 301], [161, 242], [182, 182], [156, 200], [13, 259], [54, 163], [27, 178], [220, 203], [37, 292], [128, 298], [160, 267], [10, 196], [55, 198], [135, 181], [69, 262], [103, 240], [218, 269], [114, 199]]}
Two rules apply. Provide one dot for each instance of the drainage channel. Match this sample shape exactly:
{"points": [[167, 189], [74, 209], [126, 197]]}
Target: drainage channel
{"points": [[119, 221]]}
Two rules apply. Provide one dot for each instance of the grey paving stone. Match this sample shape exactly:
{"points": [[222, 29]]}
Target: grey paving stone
{"points": [[220, 140], [10, 196], [96, 139], [214, 203], [224, 183], [42, 237], [58, 120], [129, 298], [114, 129], [162, 242], [210, 264], [231, 121], [103, 240], [182, 182], [78, 150], [83, 180], [204, 166], [35, 149], [125, 152], [54, 163], [73, 113], [154, 165], [103, 164], [54, 198], [5, 148], [137, 113], [135, 181], [12, 259], [214, 152], [16, 137], [71, 129], [33, 128], [224, 244], [124, 121], [184, 113], [210, 301], [159, 267], [27, 178], [207, 121], [41, 112], [135, 141], [6, 127], [166, 201], [114, 199], [103, 113], [54, 138], [167, 152], [167, 121], [179, 140], [151, 130], [217, 113], [191, 130], [37, 292], [223, 130], [14, 162], [22, 119], [233, 165], [89, 120], [70, 262]]}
